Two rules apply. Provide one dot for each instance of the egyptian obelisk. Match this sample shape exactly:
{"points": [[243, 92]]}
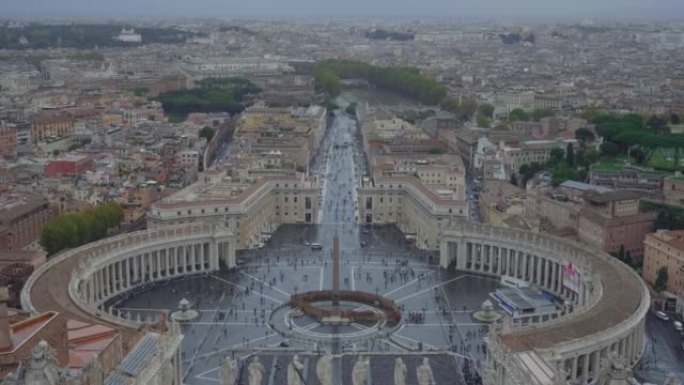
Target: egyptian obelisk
{"points": [[336, 272]]}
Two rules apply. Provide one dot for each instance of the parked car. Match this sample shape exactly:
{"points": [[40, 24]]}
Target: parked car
{"points": [[678, 325], [662, 315]]}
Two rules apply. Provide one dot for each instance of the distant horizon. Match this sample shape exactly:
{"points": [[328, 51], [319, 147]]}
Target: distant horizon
{"points": [[537, 10]]}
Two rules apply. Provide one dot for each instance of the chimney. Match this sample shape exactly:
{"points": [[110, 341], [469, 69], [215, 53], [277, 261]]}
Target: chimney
{"points": [[5, 331]]}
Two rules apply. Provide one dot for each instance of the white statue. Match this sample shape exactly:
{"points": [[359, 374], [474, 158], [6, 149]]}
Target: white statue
{"points": [[324, 369], [294, 371], [399, 372], [228, 372], [256, 371], [360, 371], [424, 373]]}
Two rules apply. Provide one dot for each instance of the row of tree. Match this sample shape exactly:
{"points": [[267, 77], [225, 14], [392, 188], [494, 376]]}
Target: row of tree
{"points": [[403, 80], [71, 230], [520, 115], [210, 95]]}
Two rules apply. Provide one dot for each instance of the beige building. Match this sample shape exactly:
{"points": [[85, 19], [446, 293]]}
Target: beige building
{"points": [[251, 210], [673, 189], [503, 204], [416, 209], [533, 151], [665, 249], [294, 132]]}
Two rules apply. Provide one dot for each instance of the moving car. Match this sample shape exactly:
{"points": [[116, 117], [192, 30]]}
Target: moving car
{"points": [[678, 325], [316, 246]]}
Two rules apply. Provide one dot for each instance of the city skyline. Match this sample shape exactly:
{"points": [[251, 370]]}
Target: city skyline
{"points": [[629, 9]]}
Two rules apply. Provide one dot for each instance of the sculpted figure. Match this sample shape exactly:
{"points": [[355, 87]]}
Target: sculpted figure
{"points": [[424, 373], [324, 369], [256, 371], [399, 372], [228, 372], [294, 371], [360, 371]]}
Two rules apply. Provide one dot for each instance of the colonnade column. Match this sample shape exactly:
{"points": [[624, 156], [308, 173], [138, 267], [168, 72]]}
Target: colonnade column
{"points": [[444, 253], [573, 369], [585, 368], [557, 276]]}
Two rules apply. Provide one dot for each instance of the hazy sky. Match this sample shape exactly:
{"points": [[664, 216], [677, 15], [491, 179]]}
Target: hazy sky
{"points": [[344, 8]]}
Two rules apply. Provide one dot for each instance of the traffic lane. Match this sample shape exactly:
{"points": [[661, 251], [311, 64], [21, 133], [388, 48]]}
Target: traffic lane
{"points": [[663, 353]]}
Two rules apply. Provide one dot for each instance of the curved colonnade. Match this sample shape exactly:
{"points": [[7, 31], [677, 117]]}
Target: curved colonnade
{"points": [[102, 270], [603, 316], [601, 320]]}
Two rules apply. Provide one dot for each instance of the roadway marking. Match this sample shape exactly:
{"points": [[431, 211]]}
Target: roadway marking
{"points": [[425, 344], [251, 291], [275, 288], [429, 289], [406, 284]]}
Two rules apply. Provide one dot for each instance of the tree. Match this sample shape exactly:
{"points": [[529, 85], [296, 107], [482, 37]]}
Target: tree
{"points": [[74, 229], [638, 155], [570, 155], [518, 114], [207, 133], [584, 135], [326, 80], [539, 113], [587, 157], [486, 109], [351, 109], [527, 171], [483, 121], [591, 113], [609, 149], [467, 109], [555, 156], [661, 279], [449, 104], [658, 125], [628, 258], [621, 253]]}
